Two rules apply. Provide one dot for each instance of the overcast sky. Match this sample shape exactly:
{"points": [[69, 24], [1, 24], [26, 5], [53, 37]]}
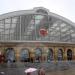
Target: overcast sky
{"points": [[65, 8]]}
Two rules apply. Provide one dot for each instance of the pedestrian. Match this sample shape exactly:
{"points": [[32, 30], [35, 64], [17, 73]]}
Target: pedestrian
{"points": [[29, 73], [41, 71]]}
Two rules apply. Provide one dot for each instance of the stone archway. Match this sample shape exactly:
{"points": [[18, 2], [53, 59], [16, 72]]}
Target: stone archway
{"points": [[69, 54], [50, 54], [24, 56], [38, 54], [10, 55], [60, 54]]}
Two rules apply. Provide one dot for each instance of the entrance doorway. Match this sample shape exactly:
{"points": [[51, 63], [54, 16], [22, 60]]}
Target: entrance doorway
{"points": [[10, 55], [24, 56], [60, 54], [38, 54], [69, 54], [50, 55]]}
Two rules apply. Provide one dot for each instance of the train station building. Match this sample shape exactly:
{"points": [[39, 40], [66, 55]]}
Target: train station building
{"points": [[36, 35]]}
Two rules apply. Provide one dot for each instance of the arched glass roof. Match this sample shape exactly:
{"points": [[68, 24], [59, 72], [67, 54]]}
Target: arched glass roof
{"points": [[37, 25]]}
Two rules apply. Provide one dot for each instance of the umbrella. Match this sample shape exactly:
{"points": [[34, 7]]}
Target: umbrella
{"points": [[30, 70]]}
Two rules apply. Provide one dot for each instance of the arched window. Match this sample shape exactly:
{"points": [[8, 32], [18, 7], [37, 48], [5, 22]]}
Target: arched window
{"points": [[24, 55], [42, 11], [38, 54], [50, 54], [60, 54], [69, 54], [10, 55]]}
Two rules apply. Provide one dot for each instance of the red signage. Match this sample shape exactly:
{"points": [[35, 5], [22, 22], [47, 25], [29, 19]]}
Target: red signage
{"points": [[43, 32]]}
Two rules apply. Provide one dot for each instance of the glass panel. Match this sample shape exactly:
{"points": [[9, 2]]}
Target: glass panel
{"points": [[1, 37], [7, 32], [65, 29], [8, 20], [57, 28], [63, 25], [6, 36], [30, 28], [50, 55], [72, 31], [12, 31], [73, 34], [25, 55], [7, 26], [52, 33], [32, 22], [13, 25], [14, 19], [12, 36], [1, 21], [57, 33], [39, 17], [1, 25], [10, 55], [52, 38], [38, 53], [37, 22], [52, 27], [1, 30], [55, 25], [60, 55], [73, 39]]}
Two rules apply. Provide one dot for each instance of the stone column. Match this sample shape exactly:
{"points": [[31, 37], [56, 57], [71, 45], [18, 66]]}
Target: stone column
{"points": [[17, 54], [55, 54], [65, 54]]}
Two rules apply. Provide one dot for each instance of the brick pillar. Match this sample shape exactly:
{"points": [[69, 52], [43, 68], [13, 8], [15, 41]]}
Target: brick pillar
{"points": [[55, 55], [65, 54], [17, 55]]}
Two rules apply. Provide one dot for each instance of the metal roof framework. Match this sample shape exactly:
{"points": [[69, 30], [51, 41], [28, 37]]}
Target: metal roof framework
{"points": [[24, 26]]}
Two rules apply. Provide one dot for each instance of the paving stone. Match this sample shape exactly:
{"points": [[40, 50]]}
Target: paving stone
{"points": [[51, 68]]}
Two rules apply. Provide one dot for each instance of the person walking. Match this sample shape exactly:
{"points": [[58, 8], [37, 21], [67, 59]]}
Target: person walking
{"points": [[29, 73], [41, 71]]}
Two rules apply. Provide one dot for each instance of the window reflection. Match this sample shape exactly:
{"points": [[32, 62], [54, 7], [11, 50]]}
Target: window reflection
{"points": [[69, 54], [10, 55], [8, 21], [38, 54], [14, 19], [50, 55], [60, 54], [25, 55]]}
